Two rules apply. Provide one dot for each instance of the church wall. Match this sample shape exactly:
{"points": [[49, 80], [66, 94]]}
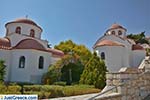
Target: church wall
{"points": [[31, 72], [126, 57], [25, 29], [137, 57], [113, 57]]}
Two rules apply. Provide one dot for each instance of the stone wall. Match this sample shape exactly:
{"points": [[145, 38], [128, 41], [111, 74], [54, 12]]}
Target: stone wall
{"points": [[130, 84]]}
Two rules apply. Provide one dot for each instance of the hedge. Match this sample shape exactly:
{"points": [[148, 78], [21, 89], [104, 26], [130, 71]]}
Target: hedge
{"points": [[48, 91], [53, 91], [16, 89]]}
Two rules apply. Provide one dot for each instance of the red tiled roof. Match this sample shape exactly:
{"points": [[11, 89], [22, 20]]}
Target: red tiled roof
{"points": [[4, 43], [33, 44], [29, 44], [137, 47], [24, 20], [108, 43], [56, 52]]}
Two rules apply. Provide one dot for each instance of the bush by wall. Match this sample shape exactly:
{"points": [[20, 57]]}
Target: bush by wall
{"points": [[14, 89], [51, 91]]}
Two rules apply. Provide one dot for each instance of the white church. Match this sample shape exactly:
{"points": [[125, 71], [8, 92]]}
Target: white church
{"points": [[117, 50], [26, 55]]}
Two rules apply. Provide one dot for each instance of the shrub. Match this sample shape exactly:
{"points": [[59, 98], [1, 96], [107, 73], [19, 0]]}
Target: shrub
{"points": [[94, 72], [79, 90], [2, 70], [51, 91], [61, 83], [32, 88], [15, 89]]}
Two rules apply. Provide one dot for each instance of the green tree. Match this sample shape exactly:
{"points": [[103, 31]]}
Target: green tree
{"points": [[138, 38], [94, 72], [53, 75], [71, 72], [81, 51], [2, 70]]}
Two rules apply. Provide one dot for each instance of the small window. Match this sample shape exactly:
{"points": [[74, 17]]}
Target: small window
{"points": [[119, 32], [103, 56], [113, 32], [22, 62], [32, 33], [18, 30], [41, 62]]}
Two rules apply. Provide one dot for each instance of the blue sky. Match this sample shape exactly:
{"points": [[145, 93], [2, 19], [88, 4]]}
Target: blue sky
{"points": [[82, 21]]}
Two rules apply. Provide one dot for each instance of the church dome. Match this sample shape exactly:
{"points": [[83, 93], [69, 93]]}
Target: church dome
{"points": [[116, 26], [107, 43], [24, 20]]}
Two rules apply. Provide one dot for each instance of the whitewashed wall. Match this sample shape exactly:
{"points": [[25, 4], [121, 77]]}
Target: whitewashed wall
{"points": [[138, 56], [31, 72], [114, 57]]}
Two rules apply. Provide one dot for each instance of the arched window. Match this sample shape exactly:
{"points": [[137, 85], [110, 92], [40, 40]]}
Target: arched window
{"points": [[119, 32], [22, 62], [41, 62], [32, 33], [113, 32], [18, 30], [103, 56]]}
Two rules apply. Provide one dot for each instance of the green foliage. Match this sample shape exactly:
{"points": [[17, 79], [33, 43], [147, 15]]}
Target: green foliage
{"points": [[60, 83], [11, 89], [53, 75], [147, 52], [81, 51], [2, 70], [51, 91], [71, 72], [72, 64], [68, 69], [138, 38], [94, 72]]}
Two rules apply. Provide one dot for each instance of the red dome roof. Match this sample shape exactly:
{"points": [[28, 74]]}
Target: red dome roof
{"points": [[107, 43], [29, 44], [116, 26], [4, 43], [33, 44]]}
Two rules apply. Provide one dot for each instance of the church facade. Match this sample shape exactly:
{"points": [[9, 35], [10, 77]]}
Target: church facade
{"points": [[27, 56], [117, 50]]}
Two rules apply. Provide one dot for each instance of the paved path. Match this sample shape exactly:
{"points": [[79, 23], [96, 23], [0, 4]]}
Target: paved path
{"points": [[79, 97]]}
